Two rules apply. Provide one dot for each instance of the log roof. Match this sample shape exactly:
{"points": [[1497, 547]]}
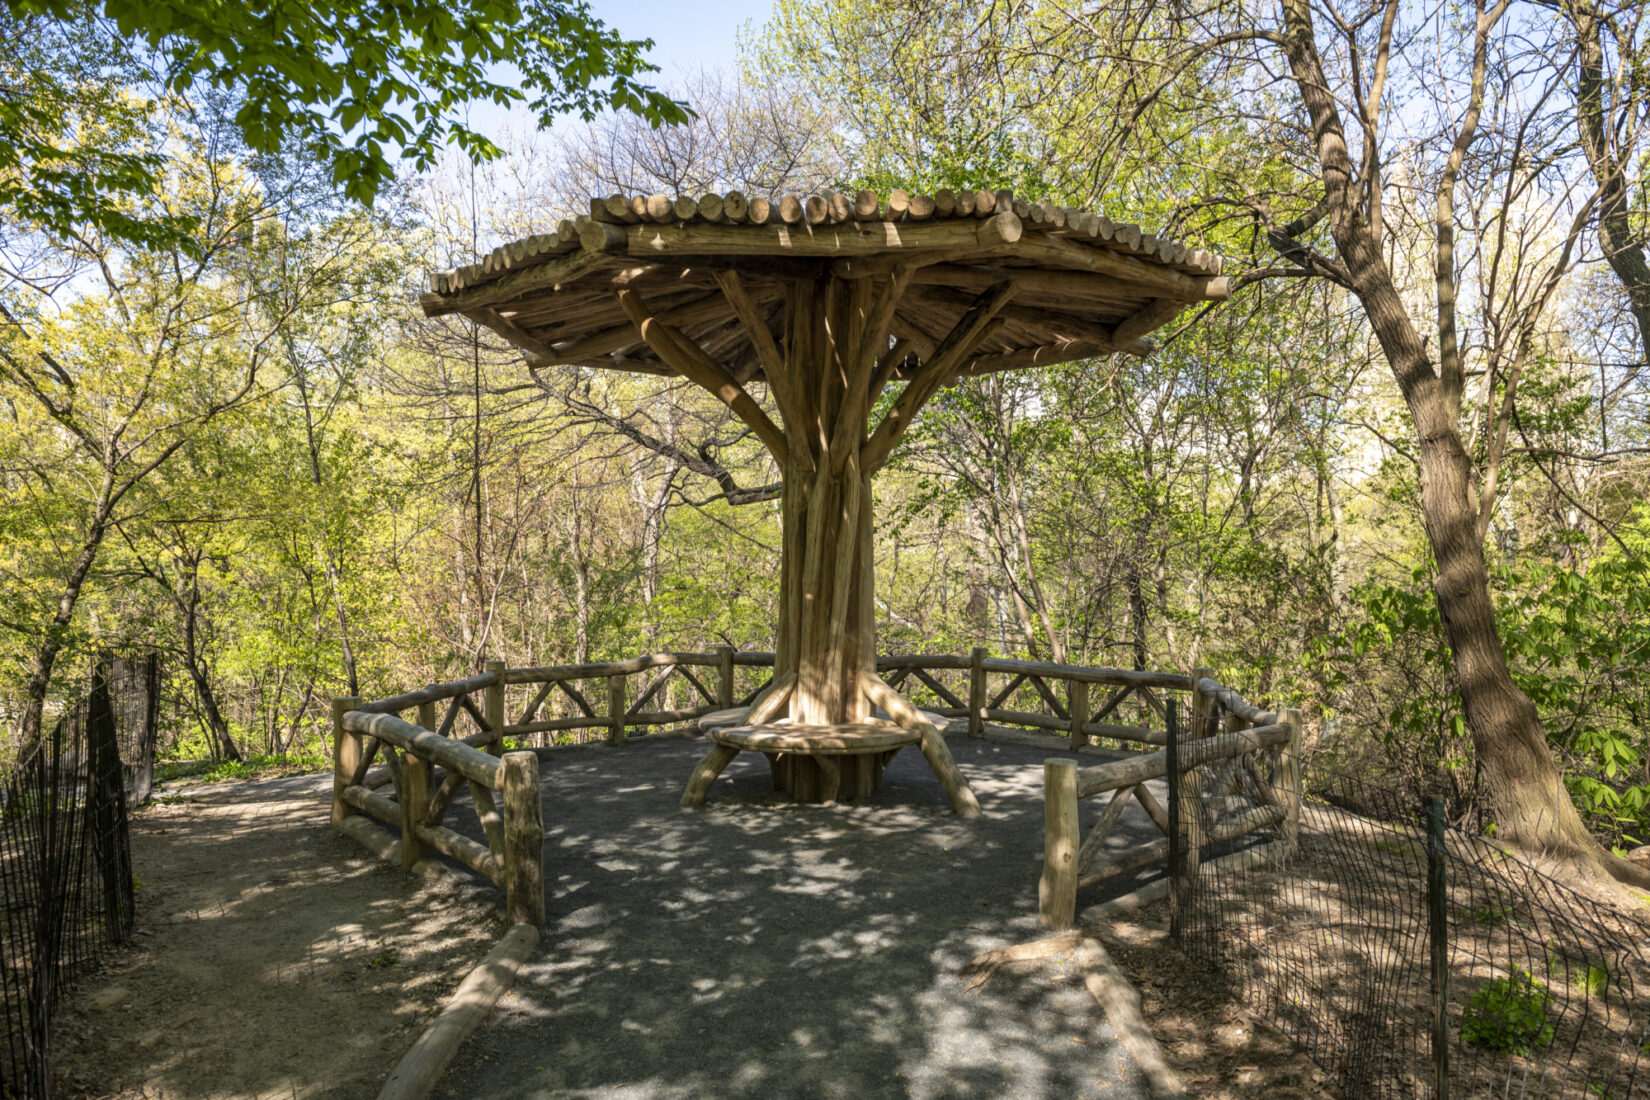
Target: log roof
{"points": [[714, 266]]}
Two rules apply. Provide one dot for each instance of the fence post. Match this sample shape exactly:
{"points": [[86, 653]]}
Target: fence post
{"points": [[346, 756], [1290, 780], [492, 707], [1077, 702], [415, 793], [615, 710], [1438, 935], [523, 840], [1189, 789], [976, 691], [1057, 891], [1171, 778], [724, 677], [1202, 706]]}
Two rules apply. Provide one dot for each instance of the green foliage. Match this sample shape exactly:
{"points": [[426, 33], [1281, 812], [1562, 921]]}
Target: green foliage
{"points": [[75, 141], [255, 766], [1593, 979], [1496, 912], [1578, 640], [355, 83], [1509, 1015]]}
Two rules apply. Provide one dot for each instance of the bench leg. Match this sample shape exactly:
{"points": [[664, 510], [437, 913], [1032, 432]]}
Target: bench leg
{"points": [[830, 777], [779, 765], [938, 755], [705, 773]]}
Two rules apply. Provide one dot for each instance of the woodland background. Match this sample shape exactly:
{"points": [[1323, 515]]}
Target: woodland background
{"points": [[247, 449]]}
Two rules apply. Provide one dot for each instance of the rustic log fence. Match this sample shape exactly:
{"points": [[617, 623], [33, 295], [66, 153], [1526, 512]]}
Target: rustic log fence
{"points": [[405, 773], [1221, 786]]}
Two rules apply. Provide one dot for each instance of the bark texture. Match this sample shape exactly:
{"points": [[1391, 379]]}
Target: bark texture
{"points": [[1524, 784], [1623, 247]]}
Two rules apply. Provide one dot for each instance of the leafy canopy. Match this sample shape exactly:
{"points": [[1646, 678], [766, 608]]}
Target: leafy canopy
{"points": [[358, 82]]}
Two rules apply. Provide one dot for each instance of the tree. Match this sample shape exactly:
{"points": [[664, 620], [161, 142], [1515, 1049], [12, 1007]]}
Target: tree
{"points": [[1524, 784], [168, 344], [86, 155], [1612, 101], [354, 82]]}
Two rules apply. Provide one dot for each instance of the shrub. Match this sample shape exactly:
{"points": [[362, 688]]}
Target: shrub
{"points": [[1509, 1015]]}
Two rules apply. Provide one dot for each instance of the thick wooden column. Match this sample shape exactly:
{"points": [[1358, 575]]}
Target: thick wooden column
{"points": [[833, 356], [827, 621]]}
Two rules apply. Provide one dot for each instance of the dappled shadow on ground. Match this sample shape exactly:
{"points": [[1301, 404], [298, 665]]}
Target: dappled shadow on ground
{"points": [[274, 959], [761, 948]]}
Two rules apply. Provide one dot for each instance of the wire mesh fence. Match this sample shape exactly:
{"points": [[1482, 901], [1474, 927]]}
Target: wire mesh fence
{"points": [[1409, 958], [66, 887]]}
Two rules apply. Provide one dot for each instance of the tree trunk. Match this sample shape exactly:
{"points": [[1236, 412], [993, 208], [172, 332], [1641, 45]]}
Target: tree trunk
{"points": [[1137, 608], [581, 585], [827, 623], [1525, 787], [1623, 246], [217, 726], [825, 381], [51, 641]]}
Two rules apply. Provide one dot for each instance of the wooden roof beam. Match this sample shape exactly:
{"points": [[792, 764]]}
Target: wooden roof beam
{"points": [[767, 352], [691, 361], [1037, 281], [621, 336], [888, 367], [936, 373], [824, 241], [1059, 252], [1148, 320], [1047, 355], [547, 276], [862, 369]]}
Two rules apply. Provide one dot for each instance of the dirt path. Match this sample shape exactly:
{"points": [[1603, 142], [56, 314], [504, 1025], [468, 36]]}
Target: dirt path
{"points": [[768, 950], [273, 959]]}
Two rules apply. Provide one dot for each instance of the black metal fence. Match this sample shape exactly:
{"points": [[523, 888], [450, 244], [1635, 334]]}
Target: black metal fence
{"points": [[65, 858], [1409, 958]]}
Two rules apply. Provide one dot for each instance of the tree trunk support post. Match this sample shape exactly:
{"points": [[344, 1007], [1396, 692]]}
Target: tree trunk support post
{"points": [[1057, 891], [1290, 781], [346, 756], [1190, 790], [1077, 702], [724, 677], [523, 840], [415, 793], [492, 707], [615, 710], [976, 691]]}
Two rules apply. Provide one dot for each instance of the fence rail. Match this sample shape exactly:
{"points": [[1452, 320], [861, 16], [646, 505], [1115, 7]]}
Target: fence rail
{"points": [[405, 773], [1256, 787]]}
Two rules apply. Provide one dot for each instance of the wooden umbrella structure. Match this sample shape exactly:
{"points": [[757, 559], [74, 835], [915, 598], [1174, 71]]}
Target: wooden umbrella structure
{"points": [[826, 301]]}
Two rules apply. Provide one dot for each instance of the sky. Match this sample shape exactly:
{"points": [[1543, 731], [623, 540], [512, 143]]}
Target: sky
{"points": [[681, 45]]}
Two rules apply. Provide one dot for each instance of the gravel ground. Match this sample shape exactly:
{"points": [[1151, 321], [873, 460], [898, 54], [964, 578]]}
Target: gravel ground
{"points": [[273, 961], [763, 949]]}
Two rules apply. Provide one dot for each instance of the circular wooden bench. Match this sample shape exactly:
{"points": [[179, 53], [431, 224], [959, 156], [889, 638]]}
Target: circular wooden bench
{"points": [[819, 763]]}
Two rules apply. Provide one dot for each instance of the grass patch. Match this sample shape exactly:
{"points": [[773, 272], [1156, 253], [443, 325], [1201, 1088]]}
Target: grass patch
{"points": [[1509, 1015], [256, 766], [1494, 913]]}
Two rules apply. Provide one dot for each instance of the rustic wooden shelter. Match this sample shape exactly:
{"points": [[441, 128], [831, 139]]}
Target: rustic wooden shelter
{"points": [[826, 301]]}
